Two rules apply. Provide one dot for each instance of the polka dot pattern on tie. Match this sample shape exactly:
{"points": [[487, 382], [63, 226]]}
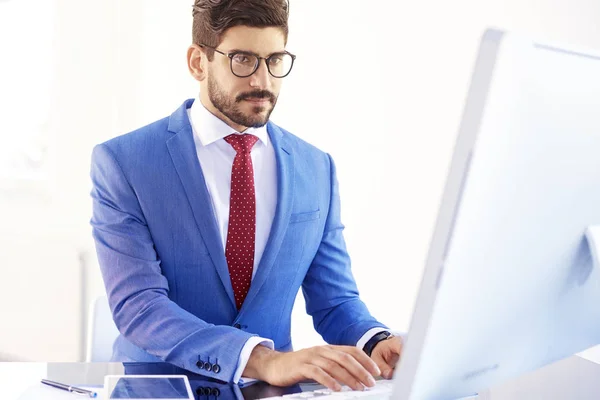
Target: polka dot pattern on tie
{"points": [[241, 231]]}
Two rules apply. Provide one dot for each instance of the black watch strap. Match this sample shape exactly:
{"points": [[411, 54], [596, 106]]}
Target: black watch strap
{"points": [[370, 345]]}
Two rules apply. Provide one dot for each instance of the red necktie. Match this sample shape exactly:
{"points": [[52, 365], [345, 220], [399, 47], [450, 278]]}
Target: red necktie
{"points": [[241, 230]]}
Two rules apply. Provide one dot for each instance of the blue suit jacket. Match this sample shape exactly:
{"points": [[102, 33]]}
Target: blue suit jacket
{"points": [[164, 265]]}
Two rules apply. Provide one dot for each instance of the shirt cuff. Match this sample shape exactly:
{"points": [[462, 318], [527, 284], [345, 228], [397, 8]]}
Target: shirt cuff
{"points": [[245, 354], [367, 336]]}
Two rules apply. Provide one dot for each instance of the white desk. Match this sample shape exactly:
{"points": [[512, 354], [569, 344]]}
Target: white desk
{"points": [[572, 378], [22, 380]]}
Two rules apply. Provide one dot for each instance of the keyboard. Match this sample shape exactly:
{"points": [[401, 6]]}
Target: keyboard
{"points": [[381, 390]]}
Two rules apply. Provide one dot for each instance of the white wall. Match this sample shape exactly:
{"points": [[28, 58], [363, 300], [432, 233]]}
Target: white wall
{"points": [[380, 85], [44, 230]]}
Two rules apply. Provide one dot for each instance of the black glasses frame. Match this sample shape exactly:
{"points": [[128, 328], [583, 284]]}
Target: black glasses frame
{"points": [[258, 58]]}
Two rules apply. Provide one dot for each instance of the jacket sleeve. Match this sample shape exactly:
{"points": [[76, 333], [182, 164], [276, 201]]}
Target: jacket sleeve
{"points": [[331, 294], [137, 290]]}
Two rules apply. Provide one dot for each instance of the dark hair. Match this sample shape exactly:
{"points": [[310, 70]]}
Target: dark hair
{"points": [[213, 17]]}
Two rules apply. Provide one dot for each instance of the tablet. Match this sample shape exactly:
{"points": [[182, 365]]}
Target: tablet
{"points": [[147, 387]]}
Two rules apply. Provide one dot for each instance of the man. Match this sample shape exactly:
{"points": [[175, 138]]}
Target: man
{"points": [[208, 222]]}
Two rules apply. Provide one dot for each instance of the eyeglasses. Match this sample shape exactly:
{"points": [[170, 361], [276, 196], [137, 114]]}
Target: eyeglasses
{"points": [[243, 63]]}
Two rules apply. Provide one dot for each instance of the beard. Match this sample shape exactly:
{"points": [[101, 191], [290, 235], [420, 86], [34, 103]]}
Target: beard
{"points": [[231, 107]]}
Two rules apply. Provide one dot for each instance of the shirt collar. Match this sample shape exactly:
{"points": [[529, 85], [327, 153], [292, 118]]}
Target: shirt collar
{"points": [[208, 128]]}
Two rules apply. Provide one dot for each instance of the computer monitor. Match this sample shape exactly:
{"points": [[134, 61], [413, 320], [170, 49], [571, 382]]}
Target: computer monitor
{"points": [[512, 278]]}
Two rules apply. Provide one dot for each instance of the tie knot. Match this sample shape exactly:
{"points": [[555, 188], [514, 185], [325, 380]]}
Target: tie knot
{"points": [[241, 143]]}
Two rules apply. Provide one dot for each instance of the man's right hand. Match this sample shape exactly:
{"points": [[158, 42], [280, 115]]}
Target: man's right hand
{"points": [[328, 365]]}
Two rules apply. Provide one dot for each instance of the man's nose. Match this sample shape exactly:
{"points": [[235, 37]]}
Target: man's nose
{"points": [[261, 78]]}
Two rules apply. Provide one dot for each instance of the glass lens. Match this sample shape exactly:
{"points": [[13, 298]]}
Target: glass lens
{"points": [[243, 64], [280, 64]]}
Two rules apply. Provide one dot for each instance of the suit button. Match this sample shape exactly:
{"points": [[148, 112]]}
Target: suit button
{"points": [[216, 368], [208, 366], [200, 364], [215, 392], [238, 326]]}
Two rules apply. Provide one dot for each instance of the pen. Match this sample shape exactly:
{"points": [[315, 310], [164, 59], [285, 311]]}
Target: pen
{"points": [[69, 388]]}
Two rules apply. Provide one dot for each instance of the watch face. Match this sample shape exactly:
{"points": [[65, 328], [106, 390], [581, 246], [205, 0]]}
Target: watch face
{"points": [[383, 335]]}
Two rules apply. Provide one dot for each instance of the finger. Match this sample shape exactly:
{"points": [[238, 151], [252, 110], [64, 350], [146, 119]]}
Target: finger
{"points": [[363, 359], [391, 361], [389, 374], [396, 347], [388, 352], [317, 374], [338, 372], [382, 364], [346, 358]]}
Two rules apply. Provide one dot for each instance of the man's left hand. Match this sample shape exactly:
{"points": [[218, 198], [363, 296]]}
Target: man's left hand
{"points": [[386, 355]]}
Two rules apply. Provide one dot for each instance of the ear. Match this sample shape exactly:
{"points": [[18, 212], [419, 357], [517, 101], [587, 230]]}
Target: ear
{"points": [[196, 59]]}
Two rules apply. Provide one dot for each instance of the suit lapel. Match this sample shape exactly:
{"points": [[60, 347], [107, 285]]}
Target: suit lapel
{"points": [[285, 196], [183, 153]]}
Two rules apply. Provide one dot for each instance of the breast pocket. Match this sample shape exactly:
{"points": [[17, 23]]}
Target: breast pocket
{"points": [[305, 216]]}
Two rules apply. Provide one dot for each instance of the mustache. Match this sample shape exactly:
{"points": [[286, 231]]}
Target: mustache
{"points": [[257, 94]]}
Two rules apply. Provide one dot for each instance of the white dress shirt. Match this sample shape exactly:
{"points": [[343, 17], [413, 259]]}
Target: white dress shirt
{"points": [[216, 160]]}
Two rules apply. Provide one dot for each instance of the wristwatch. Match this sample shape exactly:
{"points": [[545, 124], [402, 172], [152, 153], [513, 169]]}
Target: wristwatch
{"points": [[370, 345]]}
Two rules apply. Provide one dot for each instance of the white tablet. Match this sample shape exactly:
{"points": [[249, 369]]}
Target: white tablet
{"points": [[147, 387]]}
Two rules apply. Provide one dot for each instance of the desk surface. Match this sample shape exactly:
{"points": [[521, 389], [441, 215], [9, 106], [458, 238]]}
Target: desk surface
{"points": [[572, 378]]}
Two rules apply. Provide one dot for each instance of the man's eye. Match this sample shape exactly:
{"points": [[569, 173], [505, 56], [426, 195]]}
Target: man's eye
{"points": [[242, 59]]}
